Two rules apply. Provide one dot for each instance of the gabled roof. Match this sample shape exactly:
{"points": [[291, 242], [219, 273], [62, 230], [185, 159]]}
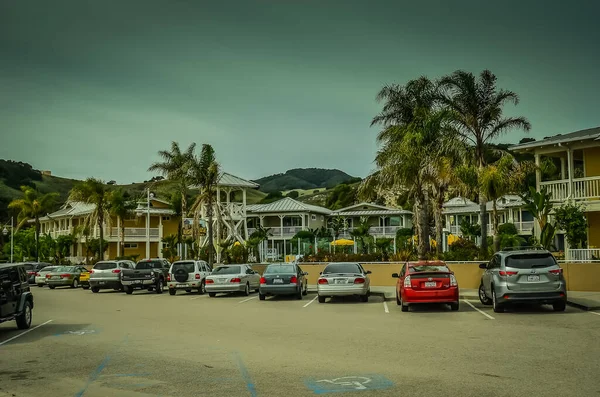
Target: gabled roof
{"points": [[583, 135], [458, 202], [229, 180], [70, 209], [372, 210], [460, 205], [286, 204]]}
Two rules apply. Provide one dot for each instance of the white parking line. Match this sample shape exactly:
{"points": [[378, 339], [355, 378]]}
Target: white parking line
{"points": [[597, 314], [480, 311], [24, 332], [313, 299], [385, 307], [196, 297], [249, 299]]}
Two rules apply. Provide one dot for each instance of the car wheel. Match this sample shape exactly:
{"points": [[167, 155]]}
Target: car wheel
{"points": [[483, 297], [24, 319], [51, 286], [299, 294], [498, 308], [247, 290], [128, 290], [95, 289], [212, 294], [321, 299], [261, 296], [454, 306], [202, 289], [172, 291], [364, 298], [305, 292], [75, 283], [398, 299], [40, 285], [85, 286], [158, 289], [403, 306], [559, 306]]}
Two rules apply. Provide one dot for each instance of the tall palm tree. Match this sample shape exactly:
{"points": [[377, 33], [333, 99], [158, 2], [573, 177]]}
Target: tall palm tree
{"points": [[476, 105], [121, 207], [204, 172], [176, 167], [33, 205], [94, 191]]}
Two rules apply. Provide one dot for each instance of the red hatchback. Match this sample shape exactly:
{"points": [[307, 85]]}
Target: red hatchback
{"points": [[426, 282]]}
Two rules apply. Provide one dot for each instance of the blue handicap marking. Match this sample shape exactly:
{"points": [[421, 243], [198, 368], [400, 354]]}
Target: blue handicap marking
{"points": [[78, 332], [349, 383]]}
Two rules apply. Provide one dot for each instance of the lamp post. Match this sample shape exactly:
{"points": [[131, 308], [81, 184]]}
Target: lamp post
{"points": [[150, 195], [5, 232]]}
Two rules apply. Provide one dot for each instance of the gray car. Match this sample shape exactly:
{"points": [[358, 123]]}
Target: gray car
{"points": [[283, 279], [344, 279], [232, 278], [522, 275], [107, 274]]}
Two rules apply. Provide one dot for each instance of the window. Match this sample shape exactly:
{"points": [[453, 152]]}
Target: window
{"points": [[395, 221], [280, 269], [189, 267], [343, 268], [530, 261], [130, 245], [166, 218], [313, 217], [166, 245], [228, 270], [105, 265], [429, 268]]}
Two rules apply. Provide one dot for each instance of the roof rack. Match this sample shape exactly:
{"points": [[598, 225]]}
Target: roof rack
{"points": [[524, 248]]}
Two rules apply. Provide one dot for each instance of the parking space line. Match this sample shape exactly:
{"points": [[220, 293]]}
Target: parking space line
{"points": [[480, 311], [24, 332], [313, 299], [597, 314], [385, 307], [249, 299], [196, 297]]}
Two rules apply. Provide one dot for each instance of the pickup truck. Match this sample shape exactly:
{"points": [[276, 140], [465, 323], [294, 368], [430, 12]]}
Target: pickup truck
{"points": [[150, 274]]}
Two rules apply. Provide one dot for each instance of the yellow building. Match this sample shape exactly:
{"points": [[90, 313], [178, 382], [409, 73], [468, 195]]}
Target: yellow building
{"points": [[138, 233], [579, 179]]}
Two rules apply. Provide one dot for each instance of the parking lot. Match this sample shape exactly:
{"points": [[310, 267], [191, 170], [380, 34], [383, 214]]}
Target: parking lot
{"points": [[113, 344]]}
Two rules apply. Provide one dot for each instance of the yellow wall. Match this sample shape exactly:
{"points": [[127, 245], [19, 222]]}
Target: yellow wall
{"points": [[170, 227], [140, 250], [593, 219], [592, 161], [582, 276]]}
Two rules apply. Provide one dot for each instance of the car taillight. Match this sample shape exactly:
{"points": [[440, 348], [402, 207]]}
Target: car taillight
{"points": [[91, 271], [65, 275], [235, 280], [117, 271], [359, 280], [263, 280], [453, 282], [507, 273], [48, 276], [293, 280], [197, 277], [407, 281], [168, 277], [209, 281], [556, 271], [323, 281], [37, 274]]}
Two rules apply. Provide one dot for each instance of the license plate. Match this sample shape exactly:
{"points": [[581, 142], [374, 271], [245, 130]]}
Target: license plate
{"points": [[55, 277], [137, 281], [430, 284], [221, 281], [101, 282], [277, 281], [341, 281], [533, 277], [183, 285]]}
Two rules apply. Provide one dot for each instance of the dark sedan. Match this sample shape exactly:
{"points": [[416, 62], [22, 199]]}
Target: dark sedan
{"points": [[32, 268], [283, 279]]}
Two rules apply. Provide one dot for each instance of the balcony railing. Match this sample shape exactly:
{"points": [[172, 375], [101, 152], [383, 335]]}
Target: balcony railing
{"points": [[582, 189], [134, 232], [587, 254], [525, 227], [278, 231]]}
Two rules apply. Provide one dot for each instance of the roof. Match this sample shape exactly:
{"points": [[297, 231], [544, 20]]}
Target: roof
{"points": [[459, 205], [234, 181], [287, 204], [582, 135], [378, 210], [142, 210], [71, 208]]}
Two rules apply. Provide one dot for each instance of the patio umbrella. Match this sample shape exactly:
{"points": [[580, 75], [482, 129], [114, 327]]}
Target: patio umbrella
{"points": [[342, 242]]}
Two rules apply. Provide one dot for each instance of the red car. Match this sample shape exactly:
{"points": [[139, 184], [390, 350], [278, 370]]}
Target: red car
{"points": [[426, 282]]}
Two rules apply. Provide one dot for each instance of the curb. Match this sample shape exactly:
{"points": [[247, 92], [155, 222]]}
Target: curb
{"points": [[393, 298], [582, 306]]}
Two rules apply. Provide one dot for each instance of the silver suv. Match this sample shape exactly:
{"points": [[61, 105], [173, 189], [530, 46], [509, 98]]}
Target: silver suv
{"points": [[522, 275], [107, 274], [188, 275]]}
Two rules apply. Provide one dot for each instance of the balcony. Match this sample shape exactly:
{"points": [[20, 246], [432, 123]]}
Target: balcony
{"points": [[583, 255], [582, 189], [277, 231], [131, 233], [525, 227]]}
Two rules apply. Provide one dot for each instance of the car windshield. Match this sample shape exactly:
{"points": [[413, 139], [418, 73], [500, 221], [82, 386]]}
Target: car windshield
{"points": [[66, 269], [227, 270], [342, 268], [428, 268], [530, 261], [279, 269], [48, 269], [145, 265], [188, 266], [105, 265]]}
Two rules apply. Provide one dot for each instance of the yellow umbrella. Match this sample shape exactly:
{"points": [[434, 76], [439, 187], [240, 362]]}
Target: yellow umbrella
{"points": [[452, 238], [342, 241]]}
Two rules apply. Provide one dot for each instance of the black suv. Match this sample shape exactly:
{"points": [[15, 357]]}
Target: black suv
{"points": [[16, 300]]}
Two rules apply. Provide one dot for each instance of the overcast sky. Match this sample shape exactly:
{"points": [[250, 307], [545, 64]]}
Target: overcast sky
{"points": [[96, 88]]}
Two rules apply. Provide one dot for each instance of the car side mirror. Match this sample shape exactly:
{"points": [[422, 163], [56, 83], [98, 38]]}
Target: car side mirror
{"points": [[368, 272], [483, 265], [395, 275], [320, 273]]}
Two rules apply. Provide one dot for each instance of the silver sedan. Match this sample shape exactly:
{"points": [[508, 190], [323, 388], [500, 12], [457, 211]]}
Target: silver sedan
{"points": [[344, 279], [232, 278]]}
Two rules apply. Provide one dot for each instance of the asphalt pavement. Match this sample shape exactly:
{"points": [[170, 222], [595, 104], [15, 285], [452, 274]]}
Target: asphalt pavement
{"points": [[113, 344]]}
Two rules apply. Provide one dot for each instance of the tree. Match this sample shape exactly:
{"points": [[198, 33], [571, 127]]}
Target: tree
{"points": [[476, 107], [204, 172], [33, 205], [293, 194], [539, 204], [361, 232], [337, 224], [94, 191], [63, 245], [121, 207], [383, 246], [170, 247], [257, 237], [570, 217], [341, 196]]}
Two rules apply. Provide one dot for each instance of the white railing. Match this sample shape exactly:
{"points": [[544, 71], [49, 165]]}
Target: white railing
{"points": [[278, 231], [56, 233], [559, 190], [115, 232], [582, 189], [582, 254]]}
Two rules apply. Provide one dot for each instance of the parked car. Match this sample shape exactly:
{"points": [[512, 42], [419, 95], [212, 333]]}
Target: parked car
{"points": [[40, 276], [188, 275], [84, 278], [283, 279], [16, 300], [32, 268], [344, 279], [65, 276], [232, 278], [107, 274], [523, 275], [426, 282], [150, 274]]}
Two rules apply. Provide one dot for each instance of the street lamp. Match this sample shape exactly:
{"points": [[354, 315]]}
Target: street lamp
{"points": [[150, 196], [5, 232]]}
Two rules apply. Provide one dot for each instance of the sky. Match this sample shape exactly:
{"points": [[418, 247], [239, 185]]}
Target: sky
{"points": [[97, 88]]}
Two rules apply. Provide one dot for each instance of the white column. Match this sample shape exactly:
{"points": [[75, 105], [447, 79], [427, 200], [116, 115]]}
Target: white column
{"points": [[383, 225], [160, 235], [119, 236], [563, 168], [538, 172], [571, 171], [303, 223], [148, 225], [281, 224]]}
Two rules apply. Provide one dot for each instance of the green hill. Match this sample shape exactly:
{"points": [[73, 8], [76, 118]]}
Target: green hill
{"points": [[303, 178]]}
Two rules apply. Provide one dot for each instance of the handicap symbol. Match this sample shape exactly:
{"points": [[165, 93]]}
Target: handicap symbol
{"points": [[356, 382], [81, 332]]}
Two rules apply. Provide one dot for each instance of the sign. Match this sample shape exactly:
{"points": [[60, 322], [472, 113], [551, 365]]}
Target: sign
{"points": [[349, 383], [188, 227]]}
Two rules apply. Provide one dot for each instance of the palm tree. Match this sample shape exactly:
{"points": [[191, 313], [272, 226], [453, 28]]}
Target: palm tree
{"points": [[94, 191], [337, 225], [176, 167], [257, 237], [121, 207], [361, 232], [204, 172], [476, 107], [33, 205], [539, 204]]}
